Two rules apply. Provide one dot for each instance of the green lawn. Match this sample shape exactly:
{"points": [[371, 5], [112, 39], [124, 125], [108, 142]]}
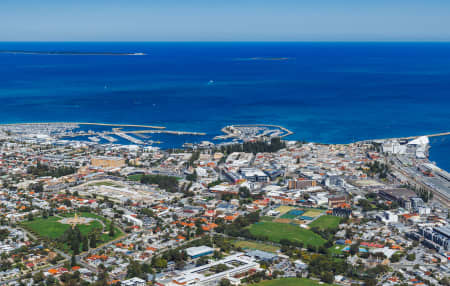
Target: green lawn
{"points": [[106, 183], [267, 218], [336, 250], [326, 221], [136, 177], [103, 237], [276, 231], [290, 282], [51, 228], [255, 245]]}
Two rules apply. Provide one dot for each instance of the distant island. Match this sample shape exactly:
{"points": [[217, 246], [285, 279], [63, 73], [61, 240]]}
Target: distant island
{"points": [[71, 53]]}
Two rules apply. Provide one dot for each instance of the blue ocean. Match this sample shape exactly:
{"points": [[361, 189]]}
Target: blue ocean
{"points": [[324, 92]]}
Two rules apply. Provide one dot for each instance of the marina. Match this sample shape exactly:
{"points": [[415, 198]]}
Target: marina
{"points": [[253, 132]]}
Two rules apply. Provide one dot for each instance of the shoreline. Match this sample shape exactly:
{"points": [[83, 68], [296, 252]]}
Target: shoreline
{"points": [[162, 129]]}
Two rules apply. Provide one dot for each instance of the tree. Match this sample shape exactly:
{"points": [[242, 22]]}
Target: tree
{"points": [[411, 257], [327, 277], [134, 269], [224, 282], [244, 192], [93, 240], [38, 277], [85, 243], [192, 177], [73, 261], [202, 261], [111, 229], [354, 248]]}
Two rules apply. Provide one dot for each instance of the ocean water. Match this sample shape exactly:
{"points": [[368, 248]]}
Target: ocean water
{"points": [[324, 92]]}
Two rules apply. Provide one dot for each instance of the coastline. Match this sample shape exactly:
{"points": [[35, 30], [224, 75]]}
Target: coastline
{"points": [[153, 129]]}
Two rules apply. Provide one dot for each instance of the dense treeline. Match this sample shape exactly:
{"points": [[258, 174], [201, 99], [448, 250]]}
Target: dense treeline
{"points": [[324, 268], [78, 242], [421, 192], [274, 145], [43, 170], [167, 183]]}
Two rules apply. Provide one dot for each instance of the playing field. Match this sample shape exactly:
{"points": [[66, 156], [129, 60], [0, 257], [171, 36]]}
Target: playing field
{"points": [[106, 183], [288, 216], [326, 221], [276, 231], [313, 212], [267, 218], [290, 282], [255, 245], [283, 220], [284, 209]]}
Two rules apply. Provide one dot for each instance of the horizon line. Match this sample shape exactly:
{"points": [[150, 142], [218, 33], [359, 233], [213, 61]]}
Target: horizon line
{"points": [[232, 41]]}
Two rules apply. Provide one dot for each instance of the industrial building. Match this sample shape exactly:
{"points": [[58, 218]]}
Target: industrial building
{"points": [[199, 251], [237, 265], [400, 195]]}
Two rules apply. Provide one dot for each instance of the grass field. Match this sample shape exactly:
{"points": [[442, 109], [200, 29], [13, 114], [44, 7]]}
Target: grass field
{"points": [[336, 249], [290, 282], [283, 220], [276, 231], [326, 221], [255, 245], [106, 183], [267, 218], [136, 177], [284, 209], [103, 237], [51, 228], [313, 212]]}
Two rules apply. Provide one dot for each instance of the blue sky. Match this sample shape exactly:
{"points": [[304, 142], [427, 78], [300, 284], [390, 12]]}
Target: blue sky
{"points": [[225, 20]]}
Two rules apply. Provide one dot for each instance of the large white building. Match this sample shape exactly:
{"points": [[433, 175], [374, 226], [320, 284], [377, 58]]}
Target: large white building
{"points": [[133, 220], [388, 217], [205, 275], [133, 282]]}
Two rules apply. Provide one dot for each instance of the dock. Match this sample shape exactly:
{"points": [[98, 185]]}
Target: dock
{"points": [[129, 138]]}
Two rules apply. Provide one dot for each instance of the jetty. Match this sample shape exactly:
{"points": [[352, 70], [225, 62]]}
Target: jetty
{"points": [[430, 135], [129, 138]]}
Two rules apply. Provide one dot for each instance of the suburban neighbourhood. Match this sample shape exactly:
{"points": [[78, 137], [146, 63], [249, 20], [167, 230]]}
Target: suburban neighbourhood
{"points": [[260, 210]]}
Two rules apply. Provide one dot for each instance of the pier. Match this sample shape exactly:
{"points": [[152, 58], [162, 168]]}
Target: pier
{"points": [[129, 138], [430, 135]]}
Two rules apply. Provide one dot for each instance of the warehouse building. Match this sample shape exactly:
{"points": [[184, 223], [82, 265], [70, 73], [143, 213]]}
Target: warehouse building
{"points": [[199, 251]]}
